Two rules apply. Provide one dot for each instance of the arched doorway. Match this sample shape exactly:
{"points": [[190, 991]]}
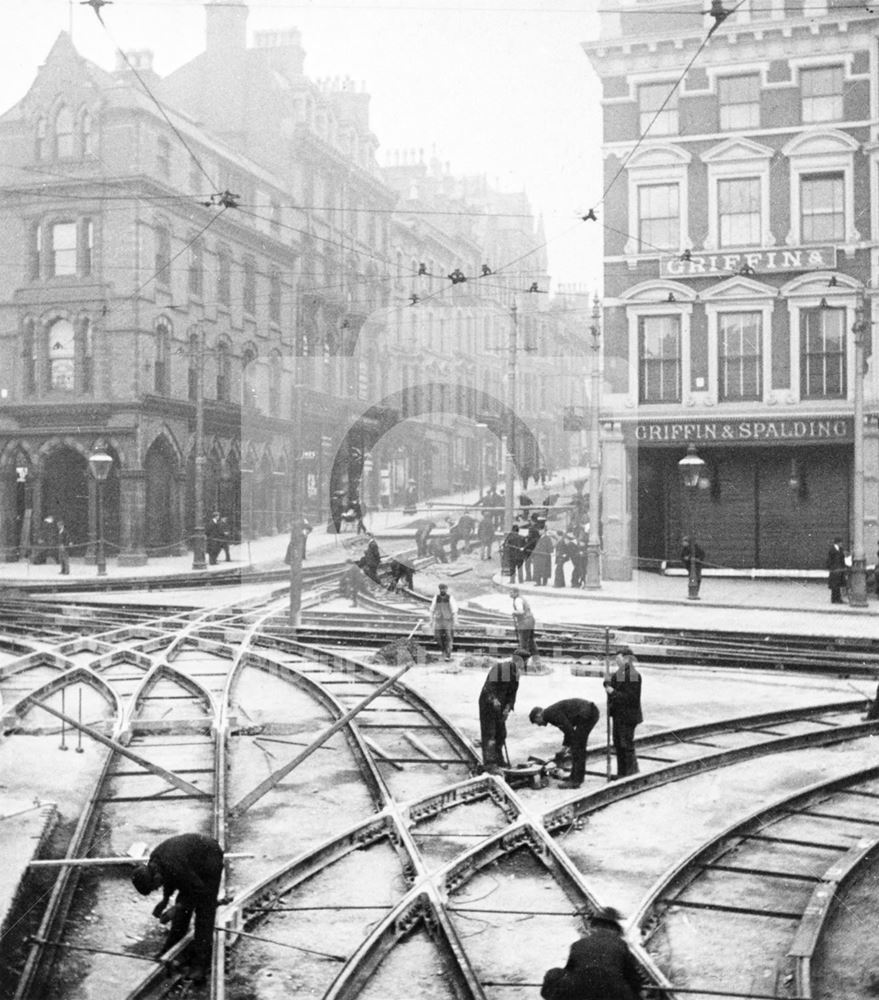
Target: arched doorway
{"points": [[64, 495], [160, 468]]}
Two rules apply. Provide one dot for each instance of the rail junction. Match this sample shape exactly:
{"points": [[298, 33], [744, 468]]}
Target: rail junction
{"points": [[370, 857]]}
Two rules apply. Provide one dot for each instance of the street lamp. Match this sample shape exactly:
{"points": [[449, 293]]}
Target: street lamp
{"points": [[858, 577], [510, 437], [593, 546], [690, 467], [100, 464]]}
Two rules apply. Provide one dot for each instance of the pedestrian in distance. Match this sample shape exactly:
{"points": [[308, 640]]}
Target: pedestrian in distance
{"points": [[357, 513], [410, 498], [563, 552], [63, 547], [623, 688], [541, 559], [371, 559], [337, 509], [512, 554], [523, 622], [485, 535], [190, 865], [422, 537], [531, 539], [576, 717], [225, 535], [402, 573], [306, 531], [836, 571], [444, 616], [600, 965], [353, 582], [496, 700], [695, 551], [214, 537]]}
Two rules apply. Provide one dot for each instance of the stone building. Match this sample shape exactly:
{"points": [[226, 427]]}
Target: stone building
{"points": [[739, 250], [191, 266]]}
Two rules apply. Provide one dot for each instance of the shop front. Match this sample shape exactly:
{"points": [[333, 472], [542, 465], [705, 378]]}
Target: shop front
{"points": [[771, 495]]}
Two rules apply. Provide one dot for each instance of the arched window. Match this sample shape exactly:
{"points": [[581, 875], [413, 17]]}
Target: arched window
{"points": [[64, 133], [86, 341], [223, 372], [29, 357], [162, 381], [87, 138], [248, 386], [42, 149], [62, 342], [275, 383]]}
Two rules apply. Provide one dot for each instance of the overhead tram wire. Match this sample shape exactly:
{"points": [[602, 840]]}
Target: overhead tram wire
{"points": [[476, 9]]}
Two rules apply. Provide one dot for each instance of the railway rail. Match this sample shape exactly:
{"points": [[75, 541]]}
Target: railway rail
{"points": [[445, 865]]}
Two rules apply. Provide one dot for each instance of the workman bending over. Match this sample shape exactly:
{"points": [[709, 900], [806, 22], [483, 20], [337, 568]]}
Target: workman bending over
{"points": [[496, 700], [190, 865], [576, 717]]}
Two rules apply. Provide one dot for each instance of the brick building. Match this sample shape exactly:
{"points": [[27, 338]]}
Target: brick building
{"points": [[740, 241], [205, 258]]}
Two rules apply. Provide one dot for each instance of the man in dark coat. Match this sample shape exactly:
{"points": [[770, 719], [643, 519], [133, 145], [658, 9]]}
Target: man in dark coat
{"points": [[600, 965], [402, 572], [541, 559], [576, 717], [836, 571], [531, 540], [698, 554], [564, 551], [371, 559], [214, 536], [496, 700], [623, 688], [352, 582], [190, 865], [422, 534], [63, 547], [512, 554], [337, 508], [485, 534]]}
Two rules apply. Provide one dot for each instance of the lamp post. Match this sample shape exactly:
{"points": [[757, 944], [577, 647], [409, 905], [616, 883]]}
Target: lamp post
{"points": [[690, 467], [298, 501], [510, 437], [593, 546], [198, 533], [858, 576], [23, 543], [100, 464]]}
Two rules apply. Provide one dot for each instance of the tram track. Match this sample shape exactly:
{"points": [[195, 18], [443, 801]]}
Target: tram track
{"points": [[226, 696]]}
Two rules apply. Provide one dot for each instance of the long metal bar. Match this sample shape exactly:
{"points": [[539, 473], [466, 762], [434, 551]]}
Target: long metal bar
{"points": [[169, 776], [269, 783]]}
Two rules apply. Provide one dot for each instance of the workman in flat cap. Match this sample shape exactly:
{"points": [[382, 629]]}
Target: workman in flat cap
{"points": [[576, 717], [191, 865], [496, 700], [600, 965]]}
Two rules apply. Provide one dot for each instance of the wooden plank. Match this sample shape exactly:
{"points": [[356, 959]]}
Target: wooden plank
{"points": [[169, 776], [423, 749]]}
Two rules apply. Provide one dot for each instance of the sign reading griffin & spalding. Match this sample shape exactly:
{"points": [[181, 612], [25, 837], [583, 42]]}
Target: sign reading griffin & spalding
{"points": [[695, 265], [803, 429]]}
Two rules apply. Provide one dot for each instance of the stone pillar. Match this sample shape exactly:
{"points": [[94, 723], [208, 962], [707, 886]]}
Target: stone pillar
{"points": [[132, 512], [248, 527], [92, 546], [871, 491], [178, 512], [616, 511], [8, 516]]}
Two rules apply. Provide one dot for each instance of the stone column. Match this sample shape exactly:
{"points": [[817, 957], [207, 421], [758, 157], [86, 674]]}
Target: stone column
{"points": [[871, 491], [178, 513], [616, 512], [132, 511], [92, 546], [8, 512], [248, 528]]}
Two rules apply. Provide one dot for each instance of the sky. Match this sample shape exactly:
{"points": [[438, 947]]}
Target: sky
{"points": [[495, 87]]}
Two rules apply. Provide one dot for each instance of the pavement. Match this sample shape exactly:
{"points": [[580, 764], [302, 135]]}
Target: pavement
{"points": [[734, 603]]}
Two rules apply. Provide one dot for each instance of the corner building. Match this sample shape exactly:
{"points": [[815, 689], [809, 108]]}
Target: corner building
{"points": [[739, 241]]}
